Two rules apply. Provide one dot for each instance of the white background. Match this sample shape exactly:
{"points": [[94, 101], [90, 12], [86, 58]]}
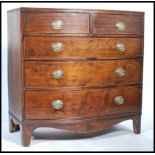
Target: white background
{"points": [[117, 138]]}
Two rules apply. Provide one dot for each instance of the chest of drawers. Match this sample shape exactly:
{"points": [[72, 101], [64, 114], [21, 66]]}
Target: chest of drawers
{"points": [[77, 70]]}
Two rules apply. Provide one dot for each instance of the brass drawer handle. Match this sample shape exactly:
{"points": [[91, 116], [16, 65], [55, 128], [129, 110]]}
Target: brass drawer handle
{"points": [[120, 47], [58, 74], [120, 26], [120, 71], [57, 24], [57, 47], [57, 104], [119, 100]]}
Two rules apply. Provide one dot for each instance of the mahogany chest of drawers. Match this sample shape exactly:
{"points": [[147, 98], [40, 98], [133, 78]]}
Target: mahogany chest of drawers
{"points": [[77, 70]]}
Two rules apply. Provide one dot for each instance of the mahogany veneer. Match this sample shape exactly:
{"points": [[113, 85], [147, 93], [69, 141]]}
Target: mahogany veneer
{"points": [[86, 47], [92, 73], [78, 70]]}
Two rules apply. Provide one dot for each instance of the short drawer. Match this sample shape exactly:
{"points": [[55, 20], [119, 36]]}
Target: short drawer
{"points": [[81, 73], [56, 23], [82, 47], [117, 24], [83, 103]]}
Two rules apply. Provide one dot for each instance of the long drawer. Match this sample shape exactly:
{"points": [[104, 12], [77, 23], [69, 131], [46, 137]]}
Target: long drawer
{"points": [[81, 73], [82, 47], [83, 103]]}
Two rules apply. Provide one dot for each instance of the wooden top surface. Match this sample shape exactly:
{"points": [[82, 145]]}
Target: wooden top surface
{"points": [[36, 10]]}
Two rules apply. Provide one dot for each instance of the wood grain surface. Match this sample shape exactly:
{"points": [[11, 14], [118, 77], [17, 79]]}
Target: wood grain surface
{"points": [[72, 22], [85, 103], [82, 47], [81, 73], [105, 24], [14, 64]]}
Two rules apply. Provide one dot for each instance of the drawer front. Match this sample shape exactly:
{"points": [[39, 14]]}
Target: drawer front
{"points": [[117, 24], [85, 103], [82, 73], [57, 23], [85, 47]]}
